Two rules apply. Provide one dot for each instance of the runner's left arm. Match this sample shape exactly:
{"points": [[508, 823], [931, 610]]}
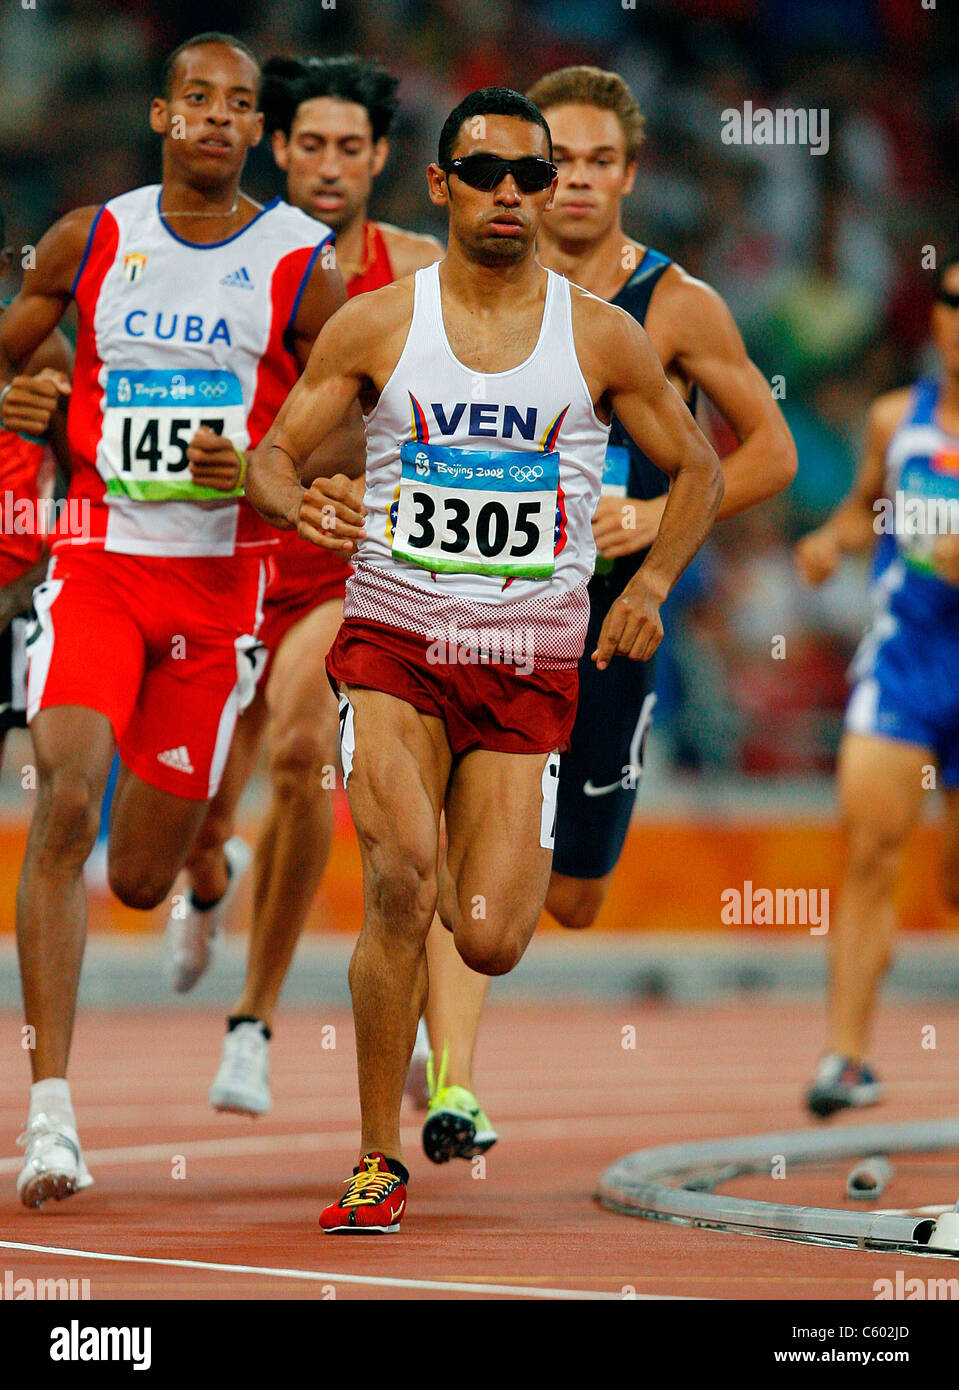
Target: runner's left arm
{"points": [[710, 352], [621, 360]]}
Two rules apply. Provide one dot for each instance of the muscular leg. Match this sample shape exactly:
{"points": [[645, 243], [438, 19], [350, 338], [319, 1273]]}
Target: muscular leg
{"points": [[151, 833], [496, 864], [74, 749], [880, 798], [401, 764], [492, 927], [206, 862], [295, 838]]}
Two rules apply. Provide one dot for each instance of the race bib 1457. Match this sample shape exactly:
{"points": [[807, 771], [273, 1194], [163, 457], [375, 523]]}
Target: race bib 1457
{"points": [[149, 418]]}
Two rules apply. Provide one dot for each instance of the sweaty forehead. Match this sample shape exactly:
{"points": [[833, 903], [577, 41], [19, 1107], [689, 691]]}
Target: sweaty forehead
{"points": [[506, 135], [216, 64]]}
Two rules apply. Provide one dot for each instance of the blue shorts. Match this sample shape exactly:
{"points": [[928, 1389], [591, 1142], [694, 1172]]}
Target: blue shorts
{"points": [[907, 688], [600, 772]]}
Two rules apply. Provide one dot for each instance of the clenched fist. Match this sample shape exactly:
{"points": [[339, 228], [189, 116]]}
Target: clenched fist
{"points": [[214, 462], [623, 525], [31, 401], [331, 514]]}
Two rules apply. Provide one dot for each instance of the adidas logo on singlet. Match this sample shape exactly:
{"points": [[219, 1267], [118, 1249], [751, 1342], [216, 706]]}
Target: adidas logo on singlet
{"points": [[238, 279], [177, 758]]}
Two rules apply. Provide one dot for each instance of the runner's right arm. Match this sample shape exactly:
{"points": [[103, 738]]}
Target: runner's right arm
{"points": [[55, 354], [342, 495], [342, 367], [851, 527], [214, 462], [31, 317]]}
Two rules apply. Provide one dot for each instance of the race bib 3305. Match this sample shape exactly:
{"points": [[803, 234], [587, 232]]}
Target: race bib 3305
{"points": [[474, 511]]}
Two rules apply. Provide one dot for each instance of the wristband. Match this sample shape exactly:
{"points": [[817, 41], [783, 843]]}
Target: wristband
{"points": [[242, 474], [3, 397]]}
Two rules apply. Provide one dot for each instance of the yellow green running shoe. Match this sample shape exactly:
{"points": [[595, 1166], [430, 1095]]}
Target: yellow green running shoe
{"points": [[455, 1125]]}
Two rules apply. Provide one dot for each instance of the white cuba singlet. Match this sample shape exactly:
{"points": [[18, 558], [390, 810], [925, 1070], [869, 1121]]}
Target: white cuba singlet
{"points": [[481, 488], [174, 335]]}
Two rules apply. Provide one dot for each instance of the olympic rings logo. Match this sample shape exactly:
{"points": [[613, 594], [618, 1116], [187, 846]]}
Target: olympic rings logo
{"points": [[525, 472], [211, 388]]}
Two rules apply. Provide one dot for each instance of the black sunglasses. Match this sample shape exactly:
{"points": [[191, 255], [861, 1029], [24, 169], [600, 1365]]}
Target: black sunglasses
{"points": [[487, 171], [950, 297]]}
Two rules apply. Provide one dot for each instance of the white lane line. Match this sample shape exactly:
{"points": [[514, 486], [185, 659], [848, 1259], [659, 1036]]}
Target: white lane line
{"points": [[589, 1127], [197, 1114], [319, 1277], [343, 1105]]}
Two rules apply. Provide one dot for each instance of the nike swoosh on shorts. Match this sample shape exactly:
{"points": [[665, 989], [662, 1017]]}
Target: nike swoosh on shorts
{"points": [[590, 790]]}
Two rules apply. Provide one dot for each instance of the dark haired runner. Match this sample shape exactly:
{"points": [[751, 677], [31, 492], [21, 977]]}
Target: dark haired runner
{"points": [[488, 384]]}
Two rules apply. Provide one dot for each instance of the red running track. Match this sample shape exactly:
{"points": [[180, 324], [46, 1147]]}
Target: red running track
{"points": [[174, 1181]]}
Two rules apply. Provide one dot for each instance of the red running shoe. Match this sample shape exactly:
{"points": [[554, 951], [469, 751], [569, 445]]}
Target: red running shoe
{"points": [[374, 1201]]}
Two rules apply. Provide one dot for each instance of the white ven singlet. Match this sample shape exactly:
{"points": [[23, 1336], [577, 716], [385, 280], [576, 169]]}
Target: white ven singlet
{"points": [[481, 488]]}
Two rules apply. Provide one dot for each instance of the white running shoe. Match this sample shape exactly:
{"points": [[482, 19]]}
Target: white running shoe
{"points": [[188, 941], [242, 1085], [53, 1166], [416, 1085]]}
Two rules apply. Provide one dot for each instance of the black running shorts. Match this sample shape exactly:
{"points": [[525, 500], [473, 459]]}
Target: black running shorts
{"points": [[599, 774]]}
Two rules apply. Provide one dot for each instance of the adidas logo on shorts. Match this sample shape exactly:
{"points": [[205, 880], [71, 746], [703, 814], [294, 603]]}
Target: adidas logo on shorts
{"points": [[238, 279], [177, 758]]}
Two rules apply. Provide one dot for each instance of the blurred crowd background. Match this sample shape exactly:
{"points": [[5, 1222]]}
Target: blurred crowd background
{"points": [[819, 257]]}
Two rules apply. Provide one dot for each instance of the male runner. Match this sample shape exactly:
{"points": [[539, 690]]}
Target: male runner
{"points": [[597, 132], [329, 120], [196, 307], [903, 713], [23, 550], [487, 383]]}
